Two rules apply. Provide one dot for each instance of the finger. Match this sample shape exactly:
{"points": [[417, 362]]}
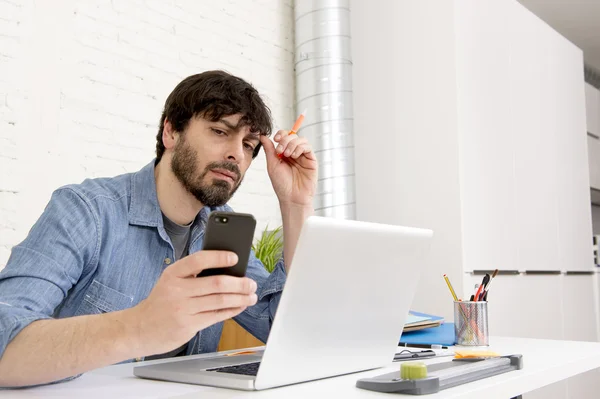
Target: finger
{"points": [[284, 142], [218, 285], [193, 264], [269, 149], [218, 315], [292, 145], [309, 153], [280, 134], [300, 150], [219, 302]]}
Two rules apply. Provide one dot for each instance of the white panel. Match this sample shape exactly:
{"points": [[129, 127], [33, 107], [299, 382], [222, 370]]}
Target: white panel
{"points": [[579, 306], [584, 386], [594, 161], [486, 139], [572, 174], [406, 144], [557, 390], [580, 324], [535, 143], [523, 305], [592, 106]]}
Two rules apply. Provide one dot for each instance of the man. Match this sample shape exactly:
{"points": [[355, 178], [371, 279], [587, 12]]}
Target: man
{"points": [[107, 274]]}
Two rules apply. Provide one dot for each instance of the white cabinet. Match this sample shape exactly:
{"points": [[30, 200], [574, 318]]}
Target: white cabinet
{"points": [[534, 147], [487, 144], [520, 305], [486, 138], [583, 386], [592, 103], [521, 128], [594, 161], [571, 175], [557, 390], [579, 305], [549, 307], [579, 302], [580, 296]]}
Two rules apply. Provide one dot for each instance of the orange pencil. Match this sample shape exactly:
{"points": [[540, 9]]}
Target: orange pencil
{"points": [[298, 123], [296, 126]]}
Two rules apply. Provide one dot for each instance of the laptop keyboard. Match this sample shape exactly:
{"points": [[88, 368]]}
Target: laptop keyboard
{"points": [[245, 369]]}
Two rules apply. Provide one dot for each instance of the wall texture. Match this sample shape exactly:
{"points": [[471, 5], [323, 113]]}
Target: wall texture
{"points": [[82, 85]]}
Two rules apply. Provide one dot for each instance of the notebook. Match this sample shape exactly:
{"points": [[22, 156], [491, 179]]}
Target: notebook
{"points": [[442, 335], [419, 321]]}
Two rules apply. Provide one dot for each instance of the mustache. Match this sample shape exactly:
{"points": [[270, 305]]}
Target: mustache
{"points": [[231, 167]]}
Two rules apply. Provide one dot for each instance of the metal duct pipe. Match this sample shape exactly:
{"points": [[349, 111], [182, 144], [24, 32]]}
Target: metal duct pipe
{"points": [[324, 87]]}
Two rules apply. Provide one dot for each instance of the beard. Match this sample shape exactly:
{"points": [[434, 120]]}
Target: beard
{"points": [[211, 194]]}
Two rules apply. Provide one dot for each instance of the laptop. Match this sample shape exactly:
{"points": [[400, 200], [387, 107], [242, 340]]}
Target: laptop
{"points": [[342, 310]]}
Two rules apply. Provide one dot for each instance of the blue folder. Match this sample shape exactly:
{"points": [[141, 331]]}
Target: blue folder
{"points": [[442, 335]]}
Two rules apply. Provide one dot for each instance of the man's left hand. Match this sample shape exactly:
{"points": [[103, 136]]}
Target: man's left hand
{"points": [[294, 172]]}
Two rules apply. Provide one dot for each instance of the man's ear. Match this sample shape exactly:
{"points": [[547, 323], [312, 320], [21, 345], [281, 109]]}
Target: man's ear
{"points": [[169, 135]]}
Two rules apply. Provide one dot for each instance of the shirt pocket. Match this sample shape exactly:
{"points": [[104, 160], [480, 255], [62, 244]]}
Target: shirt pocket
{"points": [[100, 298]]}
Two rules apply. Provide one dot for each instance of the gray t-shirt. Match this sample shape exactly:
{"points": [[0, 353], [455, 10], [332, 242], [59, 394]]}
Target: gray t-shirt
{"points": [[179, 235], [180, 238]]}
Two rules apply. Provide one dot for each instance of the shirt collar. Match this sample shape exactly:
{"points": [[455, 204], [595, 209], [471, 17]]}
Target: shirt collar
{"points": [[144, 209]]}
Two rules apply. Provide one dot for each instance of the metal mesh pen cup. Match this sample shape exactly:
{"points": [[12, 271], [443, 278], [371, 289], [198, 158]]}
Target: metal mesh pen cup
{"points": [[471, 323]]}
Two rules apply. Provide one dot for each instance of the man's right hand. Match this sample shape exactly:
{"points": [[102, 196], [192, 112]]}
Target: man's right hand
{"points": [[182, 304]]}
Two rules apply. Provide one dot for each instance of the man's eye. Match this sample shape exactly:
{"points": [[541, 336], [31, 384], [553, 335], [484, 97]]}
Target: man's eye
{"points": [[218, 132], [249, 147]]}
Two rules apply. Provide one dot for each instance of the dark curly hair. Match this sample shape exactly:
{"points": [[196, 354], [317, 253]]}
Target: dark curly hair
{"points": [[213, 95]]}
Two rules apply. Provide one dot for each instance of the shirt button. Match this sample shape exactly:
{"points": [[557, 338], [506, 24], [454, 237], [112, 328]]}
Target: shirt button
{"points": [[168, 261]]}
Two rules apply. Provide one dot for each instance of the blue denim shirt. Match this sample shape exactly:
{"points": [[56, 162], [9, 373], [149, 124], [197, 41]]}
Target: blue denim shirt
{"points": [[100, 246]]}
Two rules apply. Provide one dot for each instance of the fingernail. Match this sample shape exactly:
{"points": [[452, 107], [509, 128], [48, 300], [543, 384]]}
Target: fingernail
{"points": [[277, 136], [233, 258], [253, 299], [253, 286], [279, 148], [287, 153]]}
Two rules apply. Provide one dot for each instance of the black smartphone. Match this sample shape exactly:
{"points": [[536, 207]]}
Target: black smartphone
{"points": [[229, 231]]}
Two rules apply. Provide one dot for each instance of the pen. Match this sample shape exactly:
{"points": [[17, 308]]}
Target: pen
{"points": [[484, 283], [413, 355], [423, 346], [296, 126], [487, 288]]}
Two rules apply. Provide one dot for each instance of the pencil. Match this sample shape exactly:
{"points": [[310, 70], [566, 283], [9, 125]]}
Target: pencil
{"points": [[296, 127], [450, 288], [298, 123]]}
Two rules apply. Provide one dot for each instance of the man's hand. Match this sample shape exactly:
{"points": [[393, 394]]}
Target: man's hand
{"points": [[294, 179], [294, 175], [182, 304]]}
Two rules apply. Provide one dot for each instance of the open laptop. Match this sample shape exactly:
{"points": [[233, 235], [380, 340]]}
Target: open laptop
{"points": [[342, 310]]}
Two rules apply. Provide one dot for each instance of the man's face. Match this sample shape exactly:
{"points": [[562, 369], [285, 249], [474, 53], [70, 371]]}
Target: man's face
{"points": [[210, 159]]}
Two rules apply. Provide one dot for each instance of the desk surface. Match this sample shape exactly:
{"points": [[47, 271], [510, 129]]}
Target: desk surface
{"points": [[545, 362]]}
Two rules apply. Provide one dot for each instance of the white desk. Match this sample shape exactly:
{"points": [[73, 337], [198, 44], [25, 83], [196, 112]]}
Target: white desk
{"points": [[545, 362]]}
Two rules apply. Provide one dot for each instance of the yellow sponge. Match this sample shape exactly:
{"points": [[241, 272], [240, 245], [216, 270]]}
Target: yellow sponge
{"points": [[413, 371]]}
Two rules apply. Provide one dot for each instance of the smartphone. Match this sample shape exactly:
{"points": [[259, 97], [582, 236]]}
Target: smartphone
{"points": [[229, 231]]}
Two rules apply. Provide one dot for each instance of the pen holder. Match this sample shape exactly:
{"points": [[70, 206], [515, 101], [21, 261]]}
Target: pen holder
{"points": [[471, 323]]}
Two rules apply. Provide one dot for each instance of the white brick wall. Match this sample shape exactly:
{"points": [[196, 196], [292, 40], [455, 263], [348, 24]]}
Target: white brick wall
{"points": [[83, 82]]}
